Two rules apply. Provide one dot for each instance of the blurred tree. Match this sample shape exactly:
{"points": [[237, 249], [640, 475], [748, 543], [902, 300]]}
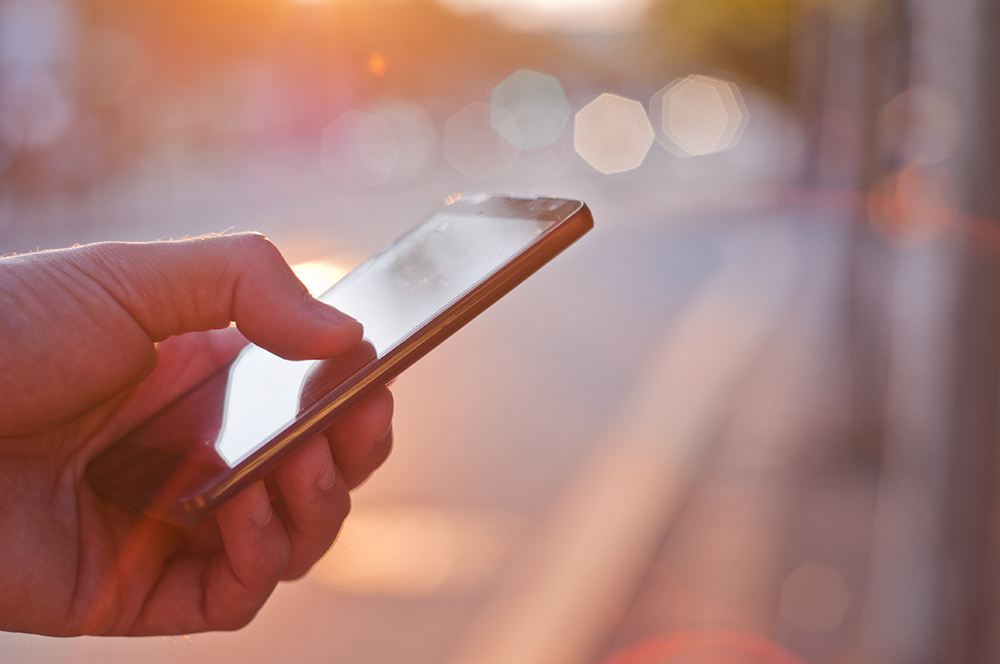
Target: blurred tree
{"points": [[754, 39], [751, 38]]}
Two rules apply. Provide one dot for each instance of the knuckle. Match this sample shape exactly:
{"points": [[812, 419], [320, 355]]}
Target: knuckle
{"points": [[258, 247]]}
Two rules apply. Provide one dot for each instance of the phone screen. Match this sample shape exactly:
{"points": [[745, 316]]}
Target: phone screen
{"points": [[238, 410]]}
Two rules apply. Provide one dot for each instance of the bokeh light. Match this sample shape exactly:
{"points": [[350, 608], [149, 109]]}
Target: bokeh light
{"points": [[34, 110], [537, 105], [612, 134], [913, 204], [377, 64], [814, 597], [415, 135], [698, 115], [922, 125], [474, 148], [359, 150]]}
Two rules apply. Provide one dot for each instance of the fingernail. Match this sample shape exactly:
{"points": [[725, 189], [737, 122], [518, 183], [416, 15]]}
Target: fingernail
{"points": [[327, 313], [327, 476], [261, 510]]}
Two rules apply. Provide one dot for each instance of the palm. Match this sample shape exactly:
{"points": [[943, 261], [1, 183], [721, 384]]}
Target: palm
{"points": [[84, 540]]}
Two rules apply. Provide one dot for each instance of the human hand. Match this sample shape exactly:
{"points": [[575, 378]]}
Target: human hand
{"points": [[92, 342]]}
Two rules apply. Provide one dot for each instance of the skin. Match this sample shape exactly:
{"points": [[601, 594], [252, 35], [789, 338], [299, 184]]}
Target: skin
{"points": [[94, 340]]}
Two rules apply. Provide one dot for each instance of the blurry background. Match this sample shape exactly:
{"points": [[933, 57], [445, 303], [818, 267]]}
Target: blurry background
{"points": [[752, 417]]}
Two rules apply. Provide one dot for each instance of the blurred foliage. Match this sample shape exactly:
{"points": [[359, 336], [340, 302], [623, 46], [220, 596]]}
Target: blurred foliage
{"points": [[750, 38], [755, 40]]}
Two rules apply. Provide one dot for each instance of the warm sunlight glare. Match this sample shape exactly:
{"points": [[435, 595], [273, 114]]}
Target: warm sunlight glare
{"points": [[563, 15], [377, 64], [318, 276], [416, 551]]}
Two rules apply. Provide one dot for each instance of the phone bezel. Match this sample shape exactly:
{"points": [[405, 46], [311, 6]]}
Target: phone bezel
{"points": [[121, 472]]}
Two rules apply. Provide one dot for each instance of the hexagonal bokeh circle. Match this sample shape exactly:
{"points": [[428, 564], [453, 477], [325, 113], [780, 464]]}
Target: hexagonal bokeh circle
{"points": [[473, 147], [530, 109], [359, 150], [612, 134], [698, 115], [415, 134]]}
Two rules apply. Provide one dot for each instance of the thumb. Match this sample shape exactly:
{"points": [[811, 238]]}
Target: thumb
{"points": [[193, 285]]}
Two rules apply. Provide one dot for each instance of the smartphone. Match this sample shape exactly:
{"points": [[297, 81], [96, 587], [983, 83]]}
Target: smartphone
{"points": [[231, 429]]}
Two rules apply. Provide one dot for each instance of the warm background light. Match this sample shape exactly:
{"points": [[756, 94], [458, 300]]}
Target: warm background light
{"points": [[568, 15], [562, 15], [318, 275]]}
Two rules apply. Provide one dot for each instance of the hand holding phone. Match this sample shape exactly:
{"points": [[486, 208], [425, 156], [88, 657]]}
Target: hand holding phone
{"points": [[80, 368], [77, 333], [233, 428]]}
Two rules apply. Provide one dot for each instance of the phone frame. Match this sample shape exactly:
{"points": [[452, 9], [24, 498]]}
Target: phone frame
{"points": [[119, 471]]}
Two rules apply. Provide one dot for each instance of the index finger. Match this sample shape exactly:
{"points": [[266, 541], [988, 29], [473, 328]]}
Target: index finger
{"points": [[193, 285]]}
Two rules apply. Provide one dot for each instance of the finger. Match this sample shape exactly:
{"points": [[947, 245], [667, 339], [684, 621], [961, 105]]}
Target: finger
{"points": [[316, 502], [192, 285], [243, 576], [213, 348], [361, 439], [185, 360], [223, 591]]}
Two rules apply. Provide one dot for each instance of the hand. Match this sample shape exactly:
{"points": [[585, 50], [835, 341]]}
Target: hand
{"points": [[92, 342]]}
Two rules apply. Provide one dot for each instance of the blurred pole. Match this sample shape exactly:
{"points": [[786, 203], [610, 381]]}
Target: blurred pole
{"points": [[969, 539], [907, 414], [850, 61], [971, 536], [983, 195], [918, 608]]}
